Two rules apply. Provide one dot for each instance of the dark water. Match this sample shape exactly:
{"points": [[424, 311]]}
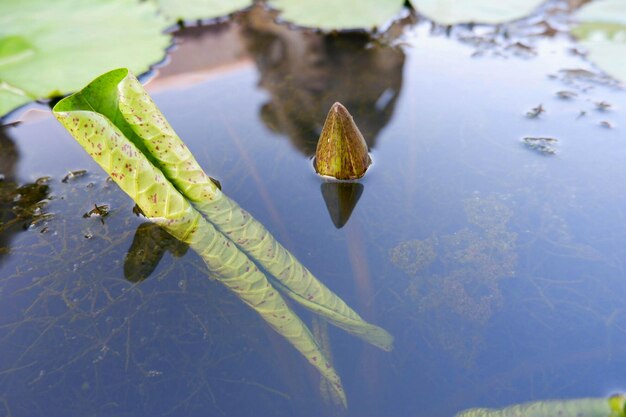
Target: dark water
{"points": [[498, 268]]}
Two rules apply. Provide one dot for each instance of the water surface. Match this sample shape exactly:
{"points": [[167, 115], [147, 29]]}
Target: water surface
{"points": [[498, 268]]}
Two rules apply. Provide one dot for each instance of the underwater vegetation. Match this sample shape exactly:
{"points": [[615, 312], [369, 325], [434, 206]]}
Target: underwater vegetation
{"points": [[128, 333], [115, 120], [458, 275]]}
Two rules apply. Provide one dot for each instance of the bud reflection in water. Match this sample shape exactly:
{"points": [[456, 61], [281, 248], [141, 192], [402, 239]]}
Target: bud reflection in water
{"points": [[306, 72]]}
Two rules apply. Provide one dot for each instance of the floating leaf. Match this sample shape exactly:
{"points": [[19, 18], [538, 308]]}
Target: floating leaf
{"points": [[11, 97], [452, 12], [602, 31], [338, 15], [50, 48], [341, 150], [200, 9], [93, 118], [587, 407]]}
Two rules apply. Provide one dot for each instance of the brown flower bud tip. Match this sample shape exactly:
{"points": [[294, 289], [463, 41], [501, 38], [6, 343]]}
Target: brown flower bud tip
{"points": [[341, 151]]}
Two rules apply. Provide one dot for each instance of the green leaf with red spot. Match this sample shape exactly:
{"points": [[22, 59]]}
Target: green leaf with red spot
{"points": [[94, 117]]}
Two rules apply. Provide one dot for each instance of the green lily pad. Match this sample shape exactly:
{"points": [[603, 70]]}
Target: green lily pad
{"points": [[602, 31], [338, 15], [11, 98], [452, 12], [51, 48], [200, 9]]}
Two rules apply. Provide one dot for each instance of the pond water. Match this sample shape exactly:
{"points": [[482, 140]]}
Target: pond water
{"points": [[497, 263]]}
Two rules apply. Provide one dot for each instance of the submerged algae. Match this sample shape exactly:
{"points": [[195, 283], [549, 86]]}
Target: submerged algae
{"points": [[458, 275], [77, 320]]}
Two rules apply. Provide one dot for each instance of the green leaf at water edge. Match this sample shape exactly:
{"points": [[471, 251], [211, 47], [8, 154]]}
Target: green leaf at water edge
{"points": [[586, 407], [50, 48], [452, 12], [200, 9], [338, 15], [602, 31]]}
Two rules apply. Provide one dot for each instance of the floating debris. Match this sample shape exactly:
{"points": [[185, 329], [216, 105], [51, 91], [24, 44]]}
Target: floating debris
{"points": [[515, 40], [29, 203], [605, 124], [578, 73], [603, 105], [73, 174], [584, 79], [566, 95], [98, 211], [29, 195], [522, 50], [535, 112], [341, 151], [543, 145], [581, 114], [577, 52]]}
